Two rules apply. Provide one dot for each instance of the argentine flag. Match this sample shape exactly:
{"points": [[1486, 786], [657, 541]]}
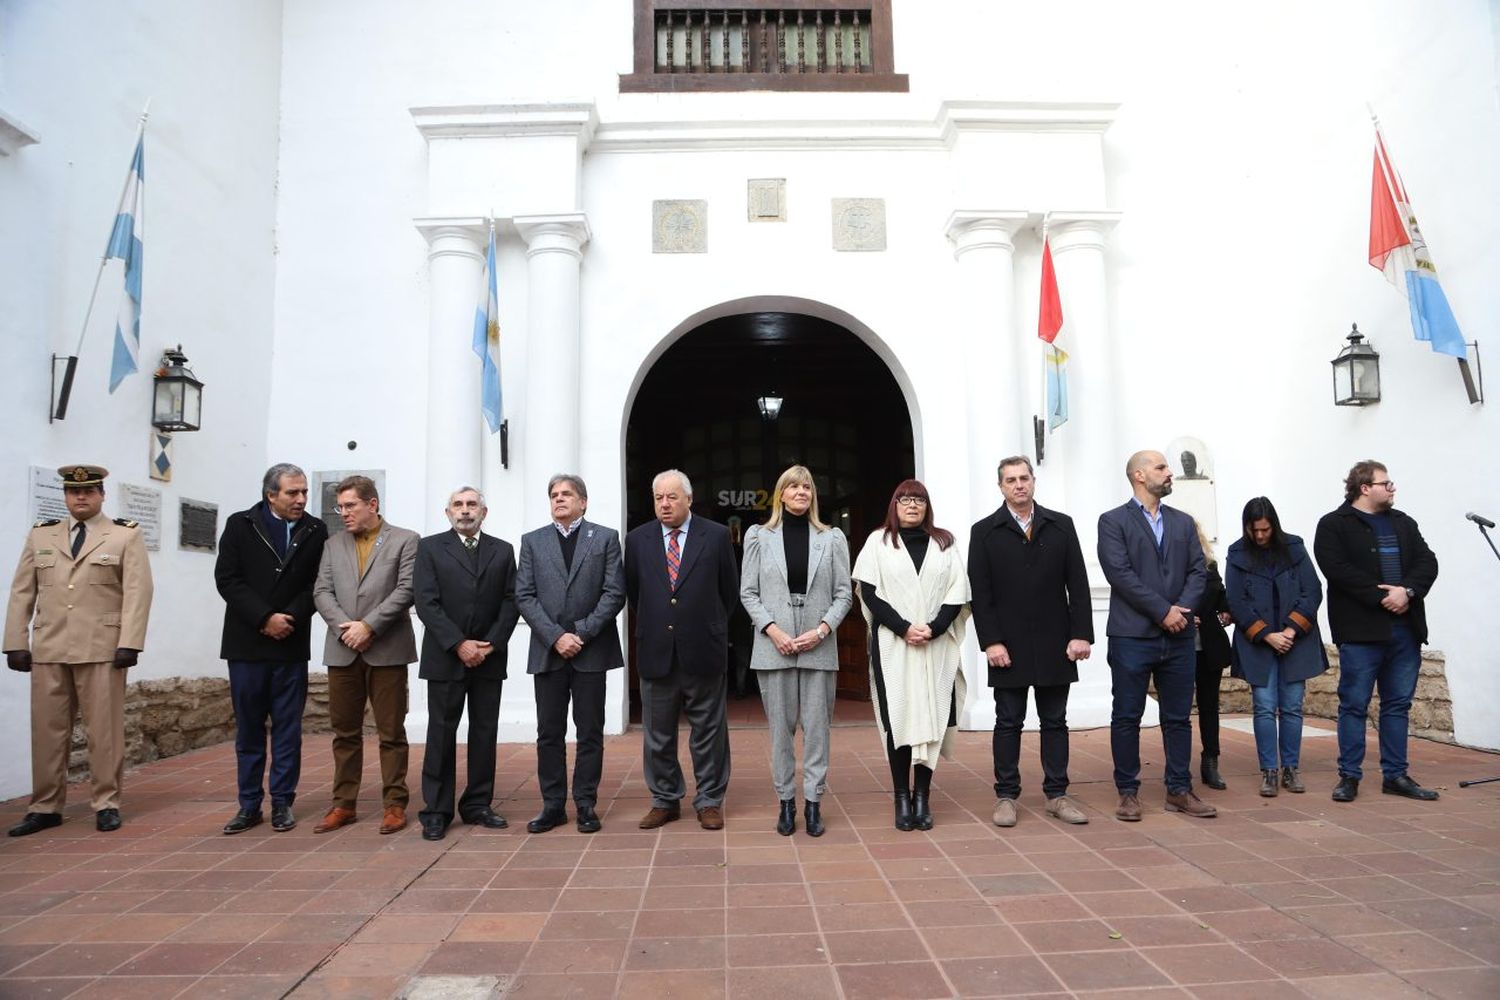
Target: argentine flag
{"points": [[1398, 249], [487, 342], [125, 245]]}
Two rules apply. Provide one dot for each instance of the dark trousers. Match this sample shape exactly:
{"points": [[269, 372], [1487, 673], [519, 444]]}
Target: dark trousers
{"points": [[1010, 716], [1207, 680], [445, 707], [1133, 663], [664, 700], [259, 691], [553, 690], [385, 689]]}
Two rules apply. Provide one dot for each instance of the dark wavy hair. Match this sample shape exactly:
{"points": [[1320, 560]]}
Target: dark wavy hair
{"points": [[1360, 474], [1276, 551], [913, 488]]}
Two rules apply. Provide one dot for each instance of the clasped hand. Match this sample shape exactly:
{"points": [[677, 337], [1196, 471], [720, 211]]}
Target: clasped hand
{"points": [[788, 645], [918, 635], [356, 635], [472, 652]]}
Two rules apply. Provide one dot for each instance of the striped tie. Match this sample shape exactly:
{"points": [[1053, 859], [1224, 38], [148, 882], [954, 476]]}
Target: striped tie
{"points": [[674, 558]]}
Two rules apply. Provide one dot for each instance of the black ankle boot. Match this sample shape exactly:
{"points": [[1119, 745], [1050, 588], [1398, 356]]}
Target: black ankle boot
{"points": [[1209, 771], [904, 819], [814, 819], [920, 800], [786, 823]]}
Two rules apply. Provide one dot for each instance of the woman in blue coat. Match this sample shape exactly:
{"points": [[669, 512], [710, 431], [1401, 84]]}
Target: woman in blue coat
{"points": [[1274, 594]]}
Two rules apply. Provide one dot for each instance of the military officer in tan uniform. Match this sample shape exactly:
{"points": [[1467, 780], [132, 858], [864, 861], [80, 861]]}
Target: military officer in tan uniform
{"points": [[76, 622]]}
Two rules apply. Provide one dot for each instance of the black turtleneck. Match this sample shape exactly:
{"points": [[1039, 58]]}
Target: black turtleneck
{"points": [[915, 542], [794, 535]]}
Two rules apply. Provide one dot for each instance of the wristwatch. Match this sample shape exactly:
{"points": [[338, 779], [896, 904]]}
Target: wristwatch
{"points": [[1411, 594]]}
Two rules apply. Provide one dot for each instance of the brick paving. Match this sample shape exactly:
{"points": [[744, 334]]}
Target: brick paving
{"points": [[1295, 896]]}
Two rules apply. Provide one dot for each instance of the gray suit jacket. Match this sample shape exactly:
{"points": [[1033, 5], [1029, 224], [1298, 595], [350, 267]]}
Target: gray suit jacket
{"points": [[584, 600], [1144, 581], [764, 593], [381, 597]]}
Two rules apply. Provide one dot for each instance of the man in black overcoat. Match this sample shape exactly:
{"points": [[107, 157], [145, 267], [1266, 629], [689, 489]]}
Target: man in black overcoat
{"points": [[465, 588], [265, 570], [1034, 623]]}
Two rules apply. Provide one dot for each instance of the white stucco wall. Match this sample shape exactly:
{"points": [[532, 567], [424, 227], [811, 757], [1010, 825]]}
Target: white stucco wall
{"points": [[79, 73]]}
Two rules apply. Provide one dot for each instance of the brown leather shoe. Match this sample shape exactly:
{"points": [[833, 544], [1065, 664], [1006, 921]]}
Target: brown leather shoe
{"points": [[1129, 809], [336, 817], [1187, 802], [661, 816], [711, 818], [394, 821]]}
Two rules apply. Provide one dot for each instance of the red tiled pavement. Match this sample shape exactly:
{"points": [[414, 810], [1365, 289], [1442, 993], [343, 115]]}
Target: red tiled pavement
{"points": [[1295, 896]]}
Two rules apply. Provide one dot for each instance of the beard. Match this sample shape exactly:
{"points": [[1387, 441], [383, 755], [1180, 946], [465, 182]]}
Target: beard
{"points": [[1160, 490]]}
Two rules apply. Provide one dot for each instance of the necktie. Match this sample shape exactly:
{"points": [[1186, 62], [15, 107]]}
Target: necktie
{"points": [[674, 558], [471, 544], [78, 532]]}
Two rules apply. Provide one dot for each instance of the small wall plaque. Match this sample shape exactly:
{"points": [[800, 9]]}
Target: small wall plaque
{"points": [[766, 199], [326, 484], [142, 504], [679, 227], [197, 526], [859, 224]]}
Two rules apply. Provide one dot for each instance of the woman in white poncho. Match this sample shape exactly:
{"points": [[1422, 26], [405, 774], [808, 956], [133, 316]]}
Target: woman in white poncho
{"points": [[914, 591]]}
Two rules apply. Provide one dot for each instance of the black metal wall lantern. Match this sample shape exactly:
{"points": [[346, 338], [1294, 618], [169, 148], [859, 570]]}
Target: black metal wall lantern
{"points": [[1356, 372], [769, 405], [177, 403]]}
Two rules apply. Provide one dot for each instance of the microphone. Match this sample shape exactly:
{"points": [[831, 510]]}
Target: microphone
{"points": [[1483, 522]]}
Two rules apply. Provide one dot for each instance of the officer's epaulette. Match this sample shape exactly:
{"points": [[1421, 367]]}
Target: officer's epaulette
{"points": [[47, 522], [126, 522]]}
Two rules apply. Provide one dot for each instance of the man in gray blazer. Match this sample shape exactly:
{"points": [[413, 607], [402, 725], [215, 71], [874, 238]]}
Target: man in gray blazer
{"points": [[364, 593], [570, 588], [1156, 572]]}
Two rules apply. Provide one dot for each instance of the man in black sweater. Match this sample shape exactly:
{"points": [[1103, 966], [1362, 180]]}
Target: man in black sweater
{"points": [[1379, 572], [268, 560]]}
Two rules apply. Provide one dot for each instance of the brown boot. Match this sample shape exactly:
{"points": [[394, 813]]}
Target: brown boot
{"points": [[1187, 802], [335, 818], [1129, 809], [394, 820], [1268, 785]]}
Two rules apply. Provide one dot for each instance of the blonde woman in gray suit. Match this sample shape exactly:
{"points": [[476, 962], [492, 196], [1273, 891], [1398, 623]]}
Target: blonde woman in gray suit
{"points": [[794, 582]]}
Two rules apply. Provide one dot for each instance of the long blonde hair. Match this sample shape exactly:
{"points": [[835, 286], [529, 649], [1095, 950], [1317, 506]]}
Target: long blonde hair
{"points": [[796, 474], [1208, 547]]}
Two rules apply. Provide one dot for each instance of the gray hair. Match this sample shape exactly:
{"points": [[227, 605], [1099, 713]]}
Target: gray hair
{"points": [[271, 482], [570, 479], [687, 486], [468, 489], [1014, 460]]}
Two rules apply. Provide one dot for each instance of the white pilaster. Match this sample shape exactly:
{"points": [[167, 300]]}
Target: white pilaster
{"points": [[554, 252]]}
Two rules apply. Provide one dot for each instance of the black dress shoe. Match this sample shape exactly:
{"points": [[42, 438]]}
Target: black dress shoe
{"points": [[282, 819], [921, 811], [34, 822], [107, 820], [434, 828], [1347, 790], [904, 818], [548, 819], [1209, 771], [786, 821], [243, 820], [588, 820], [814, 817], [487, 818], [1407, 788]]}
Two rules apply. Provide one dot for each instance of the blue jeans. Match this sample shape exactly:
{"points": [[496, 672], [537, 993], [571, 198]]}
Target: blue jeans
{"points": [[1392, 667], [258, 691], [1133, 663], [1284, 697]]}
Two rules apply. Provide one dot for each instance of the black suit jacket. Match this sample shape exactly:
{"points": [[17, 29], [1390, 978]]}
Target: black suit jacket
{"points": [[256, 583], [462, 596], [692, 622], [1345, 549]]}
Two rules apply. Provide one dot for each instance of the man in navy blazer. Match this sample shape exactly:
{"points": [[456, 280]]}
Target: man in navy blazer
{"points": [[682, 582], [1156, 571], [465, 589]]}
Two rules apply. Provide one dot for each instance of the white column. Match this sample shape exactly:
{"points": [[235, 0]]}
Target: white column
{"points": [[1089, 443], [455, 261], [554, 252]]}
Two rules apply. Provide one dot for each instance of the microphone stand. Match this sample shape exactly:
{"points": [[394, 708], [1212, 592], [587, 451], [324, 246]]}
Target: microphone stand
{"points": [[1483, 781]]}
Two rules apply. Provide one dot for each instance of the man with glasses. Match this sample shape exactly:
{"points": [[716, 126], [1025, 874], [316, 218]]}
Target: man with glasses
{"points": [[364, 593], [1379, 571]]}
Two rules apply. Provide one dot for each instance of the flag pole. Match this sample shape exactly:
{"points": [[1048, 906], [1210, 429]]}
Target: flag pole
{"points": [[63, 394]]}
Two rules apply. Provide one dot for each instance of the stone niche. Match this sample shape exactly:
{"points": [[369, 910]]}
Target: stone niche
{"points": [[176, 714], [1431, 707]]}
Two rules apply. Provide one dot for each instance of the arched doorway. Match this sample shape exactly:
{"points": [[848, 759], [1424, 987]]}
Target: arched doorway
{"points": [[842, 414]]}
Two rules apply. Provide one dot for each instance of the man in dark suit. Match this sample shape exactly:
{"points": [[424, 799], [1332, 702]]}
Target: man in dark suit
{"points": [[464, 583], [570, 588], [1034, 621], [1156, 572], [268, 561], [682, 582]]}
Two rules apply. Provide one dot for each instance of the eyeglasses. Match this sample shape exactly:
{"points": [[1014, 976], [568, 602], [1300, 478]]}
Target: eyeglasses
{"points": [[1389, 484], [910, 501], [349, 508]]}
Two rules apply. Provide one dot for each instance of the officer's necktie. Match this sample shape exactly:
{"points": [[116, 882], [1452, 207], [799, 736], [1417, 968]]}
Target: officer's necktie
{"points": [[674, 558], [78, 532]]}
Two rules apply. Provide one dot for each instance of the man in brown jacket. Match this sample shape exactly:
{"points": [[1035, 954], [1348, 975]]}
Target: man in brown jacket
{"points": [[76, 621]]}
